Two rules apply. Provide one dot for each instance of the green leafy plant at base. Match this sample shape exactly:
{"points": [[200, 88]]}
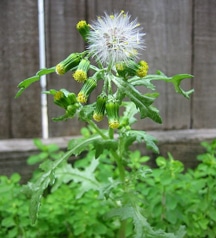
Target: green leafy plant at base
{"points": [[113, 42], [168, 195]]}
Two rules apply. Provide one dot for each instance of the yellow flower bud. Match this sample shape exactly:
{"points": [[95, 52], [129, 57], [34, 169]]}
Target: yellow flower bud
{"points": [[100, 107], [143, 69], [112, 110], [80, 74], [83, 29], [86, 90]]}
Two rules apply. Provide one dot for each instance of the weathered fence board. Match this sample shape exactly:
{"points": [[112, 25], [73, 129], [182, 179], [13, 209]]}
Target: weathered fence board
{"points": [[62, 39], [168, 27], [184, 146], [180, 38], [19, 59], [204, 99]]}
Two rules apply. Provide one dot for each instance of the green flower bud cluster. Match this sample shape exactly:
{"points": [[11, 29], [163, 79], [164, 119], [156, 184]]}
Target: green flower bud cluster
{"points": [[131, 68], [109, 106], [106, 103], [66, 100]]}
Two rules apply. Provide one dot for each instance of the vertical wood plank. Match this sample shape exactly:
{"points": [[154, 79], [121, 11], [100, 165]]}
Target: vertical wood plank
{"points": [[204, 100], [62, 39], [19, 54], [168, 27]]}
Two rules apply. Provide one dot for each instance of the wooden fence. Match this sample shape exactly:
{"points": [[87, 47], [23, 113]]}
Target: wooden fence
{"points": [[180, 38]]}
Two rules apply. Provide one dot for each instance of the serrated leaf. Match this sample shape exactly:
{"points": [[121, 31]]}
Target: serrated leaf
{"points": [[27, 82], [130, 111], [45, 71], [60, 118], [146, 81], [176, 80], [126, 140], [35, 205], [143, 136], [100, 145], [141, 226], [151, 112], [133, 93], [143, 102], [81, 144], [139, 99], [51, 92], [85, 178], [37, 190], [48, 176], [86, 112]]}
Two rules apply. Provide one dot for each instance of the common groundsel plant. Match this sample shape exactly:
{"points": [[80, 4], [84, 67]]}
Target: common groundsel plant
{"points": [[112, 56]]}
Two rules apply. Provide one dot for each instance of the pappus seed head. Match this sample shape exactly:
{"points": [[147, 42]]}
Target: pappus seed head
{"points": [[115, 38]]}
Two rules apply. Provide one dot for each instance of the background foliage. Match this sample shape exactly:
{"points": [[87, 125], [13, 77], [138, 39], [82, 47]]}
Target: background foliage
{"points": [[169, 196]]}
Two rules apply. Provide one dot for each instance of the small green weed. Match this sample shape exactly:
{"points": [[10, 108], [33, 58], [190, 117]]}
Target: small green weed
{"points": [[168, 196]]}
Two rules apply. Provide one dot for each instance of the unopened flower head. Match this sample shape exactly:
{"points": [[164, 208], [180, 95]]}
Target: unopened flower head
{"points": [[115, 38]]}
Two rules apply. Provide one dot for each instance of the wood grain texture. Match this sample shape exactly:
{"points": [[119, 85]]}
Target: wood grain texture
{"points": [[184, 145], [204, 100], [62, 39], [180, 38], [19, 60], [168, 26]]}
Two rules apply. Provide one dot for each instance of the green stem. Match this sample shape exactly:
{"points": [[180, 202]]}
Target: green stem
{"points": [[119, 162], [111, 133], [97, 129], [118, 158], [120, 166], [122, 229]]}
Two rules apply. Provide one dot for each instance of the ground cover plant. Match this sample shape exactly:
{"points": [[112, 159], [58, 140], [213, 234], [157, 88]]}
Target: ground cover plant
{"points": [[169, 195], [111, 57]]}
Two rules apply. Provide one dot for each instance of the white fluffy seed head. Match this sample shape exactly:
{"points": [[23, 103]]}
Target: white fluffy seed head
{"points": [[115, 38]]}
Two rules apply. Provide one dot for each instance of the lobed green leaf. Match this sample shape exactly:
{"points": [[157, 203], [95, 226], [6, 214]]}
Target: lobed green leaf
{"points": [[27, 82]]}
